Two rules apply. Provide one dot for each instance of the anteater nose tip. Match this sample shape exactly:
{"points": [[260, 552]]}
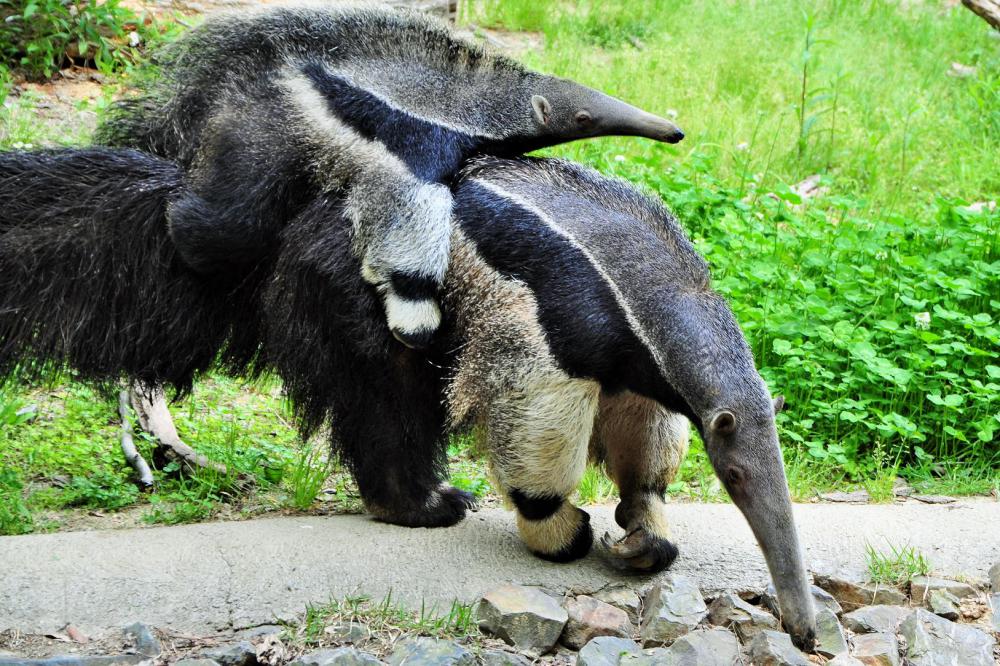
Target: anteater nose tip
{"points": [[675, 136]]}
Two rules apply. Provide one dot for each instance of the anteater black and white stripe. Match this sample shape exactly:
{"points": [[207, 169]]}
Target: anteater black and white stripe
{"points": [[267, 110]]}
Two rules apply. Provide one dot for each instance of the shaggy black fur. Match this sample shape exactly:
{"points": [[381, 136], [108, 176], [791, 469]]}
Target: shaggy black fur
{"points": [[89, 279], [326, 338]]}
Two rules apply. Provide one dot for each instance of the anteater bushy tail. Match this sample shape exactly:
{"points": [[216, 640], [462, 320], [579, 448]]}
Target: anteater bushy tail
{"points": [[89, 278]]}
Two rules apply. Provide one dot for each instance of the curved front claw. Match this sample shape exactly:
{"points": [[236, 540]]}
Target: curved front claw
{"points": [[638, 552]]}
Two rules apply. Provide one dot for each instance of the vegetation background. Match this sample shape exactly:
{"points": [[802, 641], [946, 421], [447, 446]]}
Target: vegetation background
{"points": [[840, 174]]}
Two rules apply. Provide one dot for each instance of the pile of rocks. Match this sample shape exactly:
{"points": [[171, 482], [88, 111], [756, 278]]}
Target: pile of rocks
{"points": [[940, 621]]}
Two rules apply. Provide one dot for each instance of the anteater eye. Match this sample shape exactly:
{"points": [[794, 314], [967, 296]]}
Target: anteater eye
{"points": [[583, 118]]}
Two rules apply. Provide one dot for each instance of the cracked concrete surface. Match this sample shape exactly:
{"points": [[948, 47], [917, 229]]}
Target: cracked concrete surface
{"points": [[221, 576]]}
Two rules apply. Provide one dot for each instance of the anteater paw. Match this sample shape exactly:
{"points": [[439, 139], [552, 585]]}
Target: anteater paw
{"points": [[638, 552]]}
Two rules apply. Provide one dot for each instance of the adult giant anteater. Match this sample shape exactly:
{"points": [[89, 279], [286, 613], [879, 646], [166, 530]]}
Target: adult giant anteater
{"points": [[578, 321]]}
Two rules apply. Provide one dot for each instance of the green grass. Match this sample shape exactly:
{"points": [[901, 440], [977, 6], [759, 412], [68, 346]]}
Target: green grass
{"points": [[896, 566], [385, 620]]}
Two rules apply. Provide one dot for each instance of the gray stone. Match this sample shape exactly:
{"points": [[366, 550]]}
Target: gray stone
{"points": [[994, 576], [943, 603], [934, 499], [143, 639], [590, 618], [853, 497], [523, 617], [430, 651], [830, 640], [343, 656], [877, 649], [845, 660], [852, 593], [731, 612], [994, 602], [922, 586], [672, 608], [261, 631], [238, 654], [650, 657], [773, 648], [822, 599], [347, 632], [625, 598], [933, 640], [704, 647], [876, 619], [605, 651], [196, 662], [500, 658]]}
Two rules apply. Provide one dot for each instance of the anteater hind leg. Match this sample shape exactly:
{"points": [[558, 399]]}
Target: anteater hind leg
{"points": [[538, 442], [642, 445], [389, 431]]}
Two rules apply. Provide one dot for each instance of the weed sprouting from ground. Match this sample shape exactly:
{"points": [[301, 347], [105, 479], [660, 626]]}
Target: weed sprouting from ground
{"points": [[15, 518], [307, 476], [897, 566], [384, 620]]}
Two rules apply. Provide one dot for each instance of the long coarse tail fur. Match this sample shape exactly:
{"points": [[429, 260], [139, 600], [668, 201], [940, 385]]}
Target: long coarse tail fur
{"points": [[90, 280]]}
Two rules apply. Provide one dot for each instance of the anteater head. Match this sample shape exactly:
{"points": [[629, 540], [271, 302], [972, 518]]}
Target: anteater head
{"points": [[562, 111]]}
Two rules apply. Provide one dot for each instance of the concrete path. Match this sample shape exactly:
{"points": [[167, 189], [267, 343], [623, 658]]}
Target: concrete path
{"points": [[219, 576]]}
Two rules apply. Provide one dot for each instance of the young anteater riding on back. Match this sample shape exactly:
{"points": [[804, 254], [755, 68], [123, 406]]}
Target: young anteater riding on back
{"points": [[265, 111]]}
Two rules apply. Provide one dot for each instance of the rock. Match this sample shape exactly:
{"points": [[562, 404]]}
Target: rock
{"points": [[648, 657], [590, 618], [78, 660], [845, 660], [853, 594], [877, 649], [933, 499], [943, 603], [876, 619], [499, 658], [347, 632], [933, 640], [624, 598], [605, 651], [196, 662], [821, 598], [143, 639], [853, 497], [343, 656], [703, 647], [994, 576], [994, 601], [731, 612], [672, 608], [239, 654], [773, 648], [522, 616], [830, 640], [922, 586], [430, 652], [261, 631]]}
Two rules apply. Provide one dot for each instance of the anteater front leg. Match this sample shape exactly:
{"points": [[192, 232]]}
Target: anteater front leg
{"points": [[538, 436], [642, 445]]}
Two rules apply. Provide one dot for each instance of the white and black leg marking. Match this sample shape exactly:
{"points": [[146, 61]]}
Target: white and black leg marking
{"points": [[538, 439], [642, 445]]}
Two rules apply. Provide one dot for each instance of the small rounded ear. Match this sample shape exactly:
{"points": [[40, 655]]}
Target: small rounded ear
{"points": [[542, 109], [779, 403], [723, 423]]}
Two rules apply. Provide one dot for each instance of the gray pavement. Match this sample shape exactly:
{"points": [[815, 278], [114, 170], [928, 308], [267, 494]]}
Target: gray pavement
{"points": [[221, 576]]}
